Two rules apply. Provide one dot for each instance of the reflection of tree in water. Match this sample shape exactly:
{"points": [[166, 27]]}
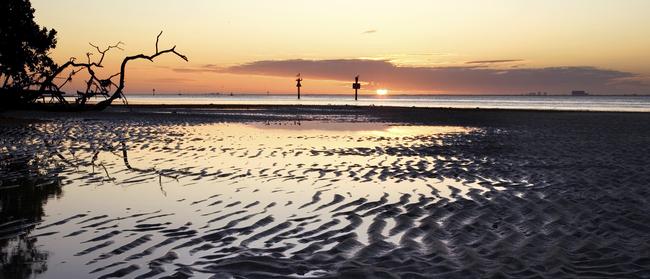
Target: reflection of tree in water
{"points": [[29, 167], [25, 186]]}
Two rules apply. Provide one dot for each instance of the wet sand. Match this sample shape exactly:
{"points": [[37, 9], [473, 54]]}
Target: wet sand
{"points": [[324, 192]]}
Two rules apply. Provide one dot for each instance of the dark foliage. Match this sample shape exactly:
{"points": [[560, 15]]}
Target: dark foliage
{"points": [[27, 73], [24, 46]]}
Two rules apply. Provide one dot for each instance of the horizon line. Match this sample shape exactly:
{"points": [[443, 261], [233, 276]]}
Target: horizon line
{"points": [[227, 94]]}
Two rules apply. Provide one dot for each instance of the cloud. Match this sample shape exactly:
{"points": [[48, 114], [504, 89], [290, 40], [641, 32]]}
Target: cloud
{"points": [[494, 61], [201, 69], [458, 79], [369, 31]]}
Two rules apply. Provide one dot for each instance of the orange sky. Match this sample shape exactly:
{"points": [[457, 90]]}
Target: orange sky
{"points": [[451, 47]]}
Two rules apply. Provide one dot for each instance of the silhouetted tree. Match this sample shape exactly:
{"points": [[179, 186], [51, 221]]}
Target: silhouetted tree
{"points": [[25, 64], [24, 46]]}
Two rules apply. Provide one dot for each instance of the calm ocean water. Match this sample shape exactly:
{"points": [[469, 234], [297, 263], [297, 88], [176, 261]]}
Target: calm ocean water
{"points": [[587, 103]]}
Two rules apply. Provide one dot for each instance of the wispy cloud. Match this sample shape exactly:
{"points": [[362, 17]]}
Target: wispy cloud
{"points": [[203, 68], [494, 61], [456, 79], [371, 31]]}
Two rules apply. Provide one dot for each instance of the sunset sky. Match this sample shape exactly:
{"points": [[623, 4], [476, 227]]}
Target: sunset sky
{"points": [[447, 47]]}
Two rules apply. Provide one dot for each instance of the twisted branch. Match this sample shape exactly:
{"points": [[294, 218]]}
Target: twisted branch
{"points": [[103, 52], [97, 86], [120, 88]]}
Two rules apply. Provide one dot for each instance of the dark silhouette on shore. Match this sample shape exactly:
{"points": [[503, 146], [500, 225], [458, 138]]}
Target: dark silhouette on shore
{"points": [[29, 73], [24, 48]]}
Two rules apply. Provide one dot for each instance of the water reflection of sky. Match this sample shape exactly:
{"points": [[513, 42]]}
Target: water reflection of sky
{"points": [[205, 176]]}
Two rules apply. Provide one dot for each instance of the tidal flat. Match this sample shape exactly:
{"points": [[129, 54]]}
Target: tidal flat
{"points": [[324, 192]]}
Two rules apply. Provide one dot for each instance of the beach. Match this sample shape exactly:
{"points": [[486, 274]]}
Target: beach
{"points": [[286, 191]]}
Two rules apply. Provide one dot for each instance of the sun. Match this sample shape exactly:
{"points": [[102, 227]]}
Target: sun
{"points": [[382, 91]]}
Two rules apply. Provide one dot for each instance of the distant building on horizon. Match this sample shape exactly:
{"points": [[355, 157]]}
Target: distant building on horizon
{"points": [[579, 93], [539, 93]]}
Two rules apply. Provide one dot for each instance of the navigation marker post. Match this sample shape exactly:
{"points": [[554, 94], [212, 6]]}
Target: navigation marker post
{"points": [[356, 86], [298, 85]]}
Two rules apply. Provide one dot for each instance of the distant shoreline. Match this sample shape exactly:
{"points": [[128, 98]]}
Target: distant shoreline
{"points": [[364, 107], [372, 95]]}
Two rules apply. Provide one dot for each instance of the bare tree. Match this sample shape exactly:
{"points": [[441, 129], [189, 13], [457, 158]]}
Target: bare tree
{"points": [[120, 88], [96, 86]]}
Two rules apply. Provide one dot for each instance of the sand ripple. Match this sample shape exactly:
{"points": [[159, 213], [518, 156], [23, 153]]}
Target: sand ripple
{"points": [[484, 202]]}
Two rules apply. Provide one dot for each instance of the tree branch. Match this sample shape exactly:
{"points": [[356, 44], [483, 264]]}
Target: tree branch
{"points": [[120, 87], [158, 39], [94, 85], [103, 52]]}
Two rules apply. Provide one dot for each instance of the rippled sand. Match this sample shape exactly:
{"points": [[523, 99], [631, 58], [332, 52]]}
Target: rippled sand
{"points": [[144, 198]]}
